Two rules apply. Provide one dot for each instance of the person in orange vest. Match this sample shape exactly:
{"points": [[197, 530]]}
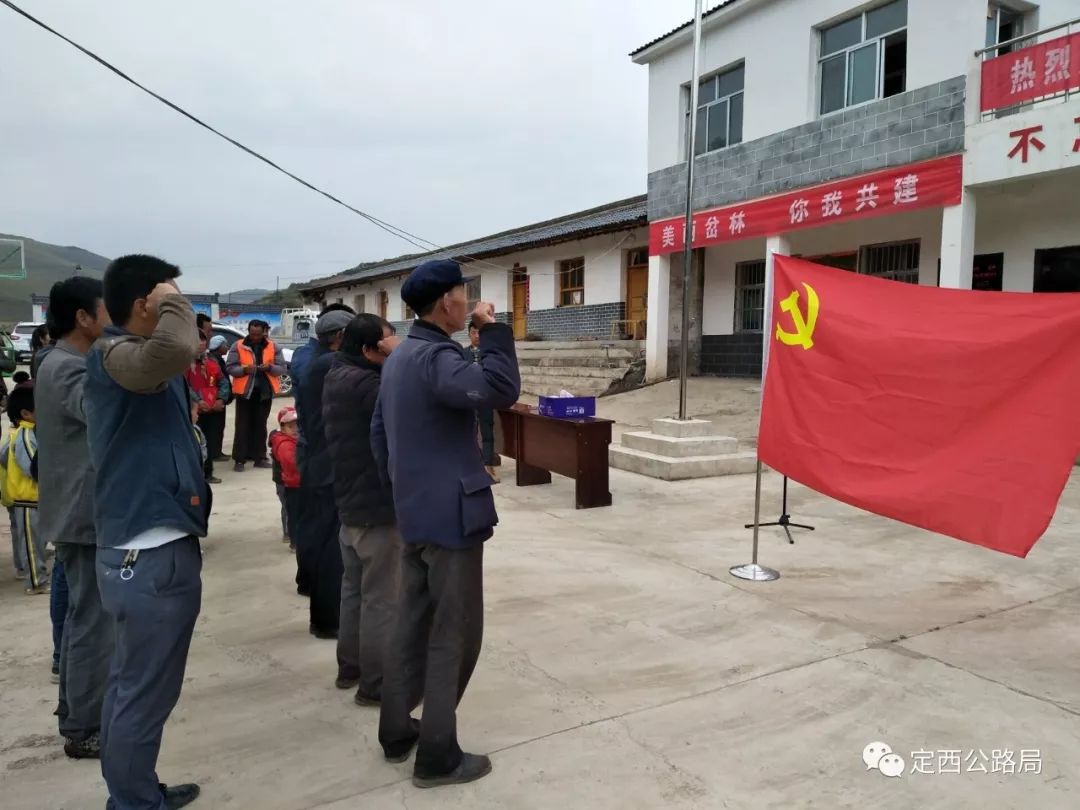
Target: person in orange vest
{"points": [[255, 365]]}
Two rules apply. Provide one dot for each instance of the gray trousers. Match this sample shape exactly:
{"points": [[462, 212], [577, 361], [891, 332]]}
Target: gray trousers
{"points": [[368, 587], [30, 546], [432, 654], [155, 605], [86, 647]]}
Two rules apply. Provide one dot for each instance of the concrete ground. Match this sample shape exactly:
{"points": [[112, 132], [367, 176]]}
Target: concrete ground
{"points": [[623, 667]]}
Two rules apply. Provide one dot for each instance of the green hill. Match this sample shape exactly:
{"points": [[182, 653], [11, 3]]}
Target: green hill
{"points": [[45, 265]]}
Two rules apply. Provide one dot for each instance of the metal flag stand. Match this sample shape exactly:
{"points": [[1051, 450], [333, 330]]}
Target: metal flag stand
{"points": [[752, 570], [784, 520]]}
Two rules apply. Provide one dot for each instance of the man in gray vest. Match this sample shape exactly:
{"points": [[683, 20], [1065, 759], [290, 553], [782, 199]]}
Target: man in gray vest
{"points": [[423, 434], [150, 496], [66, 498]]}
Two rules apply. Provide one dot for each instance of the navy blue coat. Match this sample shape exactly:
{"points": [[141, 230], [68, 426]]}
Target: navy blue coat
{"points": [[423, 432]]}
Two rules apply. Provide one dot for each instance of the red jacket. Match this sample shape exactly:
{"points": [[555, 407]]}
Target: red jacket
{"points": [[205, 380], [283, 449]]}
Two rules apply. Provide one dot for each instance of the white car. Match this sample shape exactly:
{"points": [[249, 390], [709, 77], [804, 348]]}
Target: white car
{"points": [[232, 334], [20, 336]]}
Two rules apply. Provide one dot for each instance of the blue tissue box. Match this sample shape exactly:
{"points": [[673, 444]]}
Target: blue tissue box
{"points": [[567, 407]]}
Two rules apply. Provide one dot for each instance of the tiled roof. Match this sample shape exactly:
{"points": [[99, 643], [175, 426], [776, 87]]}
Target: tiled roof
{"points": [[687, 24], [605, 218]]}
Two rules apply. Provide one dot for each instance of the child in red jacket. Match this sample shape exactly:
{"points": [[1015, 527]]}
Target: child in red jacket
{"points": [[286, 473]]}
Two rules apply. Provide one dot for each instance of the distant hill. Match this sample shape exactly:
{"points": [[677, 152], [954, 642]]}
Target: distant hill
{"points": [[45, 265], [244, 296]]}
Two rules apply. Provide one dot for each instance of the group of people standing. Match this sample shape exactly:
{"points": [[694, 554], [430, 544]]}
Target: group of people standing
{"points": [[389, 499], [396, 504]]}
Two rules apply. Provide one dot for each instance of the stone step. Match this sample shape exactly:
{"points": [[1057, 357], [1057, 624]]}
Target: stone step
{"points": [[676, 447], [574, 371], [679, 469], [682, 429], [579, 345], [560, 361], [578, 386]]}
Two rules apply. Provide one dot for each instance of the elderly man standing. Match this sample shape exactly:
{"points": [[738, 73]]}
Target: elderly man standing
{"points": [[317, 549], [424, 429], [256, 366], [66, 483]]}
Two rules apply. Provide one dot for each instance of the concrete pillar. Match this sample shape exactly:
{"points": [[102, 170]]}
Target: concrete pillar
{"points": [[658, 321], [778, 245], [958, 243]]}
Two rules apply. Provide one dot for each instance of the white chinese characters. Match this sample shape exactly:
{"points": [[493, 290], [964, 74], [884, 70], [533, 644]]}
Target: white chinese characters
{"points": [[866, 197], [1022, 75], [830, 204], [668, 236], [799, 211], [956, 761], [906, 190], [712, 227], [1057, 64], [737, 223]]}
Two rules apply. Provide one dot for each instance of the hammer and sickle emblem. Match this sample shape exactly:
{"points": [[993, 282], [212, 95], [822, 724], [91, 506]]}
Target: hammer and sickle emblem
{"points": [[804, 327]]}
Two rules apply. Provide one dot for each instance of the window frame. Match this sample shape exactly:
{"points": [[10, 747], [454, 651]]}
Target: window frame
{"points": [[864, 269], [713, 102], [878, 40], [564, 271], [994, 11], [742, 288], [473, 285]]}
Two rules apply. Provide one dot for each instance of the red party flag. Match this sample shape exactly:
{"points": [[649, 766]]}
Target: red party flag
{"points": [[956, 411]]}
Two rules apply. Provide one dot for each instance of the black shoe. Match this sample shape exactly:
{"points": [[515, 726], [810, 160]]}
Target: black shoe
{"points": [[471, 768], [300, 589], [213, 479], [263, 465], [360, 699], [238, 466], [179, 796], [412, 744], [222, 457], [90, 748], [346, 683], [324, 634]]}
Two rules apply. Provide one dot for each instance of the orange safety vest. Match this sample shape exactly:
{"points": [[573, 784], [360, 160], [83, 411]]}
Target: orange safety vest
{"points": [[247, 358]]}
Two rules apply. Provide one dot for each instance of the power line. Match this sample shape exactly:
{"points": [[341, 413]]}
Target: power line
{"points": [[413, 239]]}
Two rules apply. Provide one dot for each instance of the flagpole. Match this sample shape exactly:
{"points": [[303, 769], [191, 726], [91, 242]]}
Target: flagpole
{"points": [[688, 232], [751, 570]]}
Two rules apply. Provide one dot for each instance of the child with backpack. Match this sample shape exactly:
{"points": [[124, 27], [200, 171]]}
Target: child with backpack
{"points": [[18, 487]]}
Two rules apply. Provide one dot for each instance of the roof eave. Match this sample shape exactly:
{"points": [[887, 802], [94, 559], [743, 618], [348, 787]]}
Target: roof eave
{"points": [[678, 36]]}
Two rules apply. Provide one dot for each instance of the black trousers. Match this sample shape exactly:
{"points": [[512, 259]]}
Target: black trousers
{"points": [[249, 440], [319, 555], [213, 427], [432, 652]]}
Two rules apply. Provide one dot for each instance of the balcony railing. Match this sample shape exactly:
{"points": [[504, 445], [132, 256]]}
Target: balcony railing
{"points": [[1030, 68]]}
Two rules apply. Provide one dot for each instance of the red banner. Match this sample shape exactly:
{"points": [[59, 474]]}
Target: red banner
{"points": [[933, 184], [951, 410], [1029, 73]]}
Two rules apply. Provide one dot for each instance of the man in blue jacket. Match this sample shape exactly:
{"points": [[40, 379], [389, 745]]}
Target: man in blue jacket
{"points": [[149, 499], [424, 434]]}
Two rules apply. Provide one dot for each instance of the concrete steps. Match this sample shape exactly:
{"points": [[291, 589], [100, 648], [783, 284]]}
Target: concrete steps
{"points": [[675, 450], [584, 368]]}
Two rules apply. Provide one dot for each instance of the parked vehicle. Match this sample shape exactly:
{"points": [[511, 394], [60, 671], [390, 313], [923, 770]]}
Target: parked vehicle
{"points": [[232, 334], [9, 355], [20, 336]]}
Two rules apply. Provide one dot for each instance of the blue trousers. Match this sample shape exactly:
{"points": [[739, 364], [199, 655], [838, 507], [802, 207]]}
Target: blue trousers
{"points": [[58, 608], [154, 604]]}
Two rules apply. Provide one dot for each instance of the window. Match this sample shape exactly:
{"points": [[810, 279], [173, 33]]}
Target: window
{"points": [[472, 293], [864, 58], [639, 257], [572, 282], [360, 303], [1003, 24], [720, 111], [750, 296], [898, 261], [408, 312], [1057, 269]]}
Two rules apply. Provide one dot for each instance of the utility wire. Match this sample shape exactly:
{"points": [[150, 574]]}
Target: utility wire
{"points": [[415, 240]]}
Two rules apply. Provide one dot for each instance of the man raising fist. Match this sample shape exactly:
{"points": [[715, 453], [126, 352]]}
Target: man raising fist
{"points": [[423, 435]]}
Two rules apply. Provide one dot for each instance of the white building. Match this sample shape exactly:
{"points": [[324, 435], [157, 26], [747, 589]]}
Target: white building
{"points": [[581, 276], [878, 137]]}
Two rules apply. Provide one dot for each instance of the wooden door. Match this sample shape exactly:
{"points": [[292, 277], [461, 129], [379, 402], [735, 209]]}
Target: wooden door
{"points": [[637, 294], [520, 289], [384, 300]]}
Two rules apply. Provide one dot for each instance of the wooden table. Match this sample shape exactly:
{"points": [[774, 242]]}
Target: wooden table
{"points": [[577, 448]]}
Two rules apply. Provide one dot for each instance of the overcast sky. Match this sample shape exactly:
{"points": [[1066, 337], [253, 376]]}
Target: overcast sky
{"points": [[450, 118]]}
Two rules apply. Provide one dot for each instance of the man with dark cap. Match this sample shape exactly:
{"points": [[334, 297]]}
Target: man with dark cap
{"points": [[424, 436], [318, 555]]}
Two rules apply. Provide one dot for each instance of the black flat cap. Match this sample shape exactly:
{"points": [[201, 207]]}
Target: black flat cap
{"points": [[429, 281]]}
